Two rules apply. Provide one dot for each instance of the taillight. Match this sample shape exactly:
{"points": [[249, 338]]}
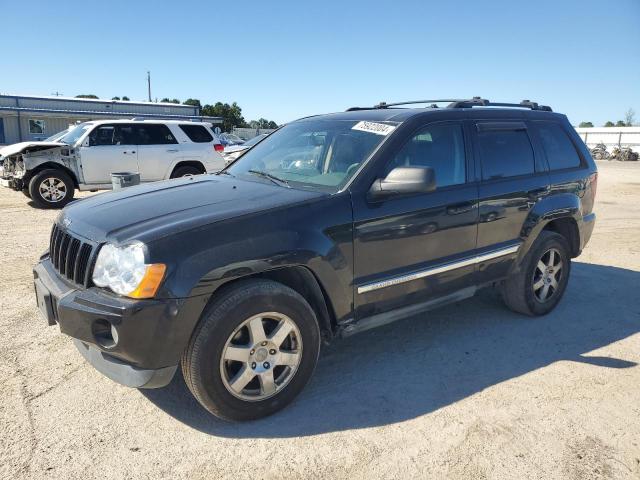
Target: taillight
{"points": [[218, 147], [594, 183]]}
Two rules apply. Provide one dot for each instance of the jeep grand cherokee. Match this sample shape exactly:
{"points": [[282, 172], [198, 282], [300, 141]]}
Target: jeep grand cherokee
{"points": [[330, 226]]}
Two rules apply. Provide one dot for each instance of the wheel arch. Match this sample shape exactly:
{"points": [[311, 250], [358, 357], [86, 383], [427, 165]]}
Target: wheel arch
{"points": [[187, 163], [302, 280], [50, 166]]}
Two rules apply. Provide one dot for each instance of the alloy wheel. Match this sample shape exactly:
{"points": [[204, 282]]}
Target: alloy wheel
{"points": [[52, 189], [547, 275], [261, 356]]}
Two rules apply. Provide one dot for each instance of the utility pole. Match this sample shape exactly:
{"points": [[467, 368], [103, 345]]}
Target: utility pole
{"points": [[149, 84], [56, 93]]}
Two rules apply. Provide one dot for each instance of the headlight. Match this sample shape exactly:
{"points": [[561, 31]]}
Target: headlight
{"points": [[123, 270]]}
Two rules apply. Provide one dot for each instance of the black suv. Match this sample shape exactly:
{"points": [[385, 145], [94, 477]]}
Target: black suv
{"points": [[330, 226]]}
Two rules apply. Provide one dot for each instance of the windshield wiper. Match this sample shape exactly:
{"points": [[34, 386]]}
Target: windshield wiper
{"points": [[273, 178]]}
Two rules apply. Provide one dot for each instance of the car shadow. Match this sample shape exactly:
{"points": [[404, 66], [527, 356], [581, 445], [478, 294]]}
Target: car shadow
{"points": [[415, 366]]}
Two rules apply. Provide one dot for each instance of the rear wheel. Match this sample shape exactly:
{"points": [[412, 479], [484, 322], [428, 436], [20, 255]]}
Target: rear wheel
{"points": [[542, 280], [253, 352], [186, 170], [51, 188]]}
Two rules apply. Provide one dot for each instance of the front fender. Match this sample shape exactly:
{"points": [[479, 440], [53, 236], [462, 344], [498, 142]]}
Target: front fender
{"points": [[563, 205]]}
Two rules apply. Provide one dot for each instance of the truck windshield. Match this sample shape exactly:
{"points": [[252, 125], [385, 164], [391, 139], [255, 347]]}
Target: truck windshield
{"points": [[314, 153], [74, 134]]}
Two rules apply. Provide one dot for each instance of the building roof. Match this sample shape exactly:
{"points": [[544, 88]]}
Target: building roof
{"points": [[95, 100]]}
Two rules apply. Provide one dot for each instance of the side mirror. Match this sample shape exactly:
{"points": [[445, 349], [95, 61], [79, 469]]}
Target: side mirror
{"points": [[404, 181], [86, 142]]}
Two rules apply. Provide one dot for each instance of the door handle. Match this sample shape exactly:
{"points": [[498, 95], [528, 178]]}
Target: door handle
{"points": [[460, 208], [172, 150]]}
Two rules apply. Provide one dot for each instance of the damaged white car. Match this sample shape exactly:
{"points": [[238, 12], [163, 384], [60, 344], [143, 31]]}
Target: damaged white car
{"points": [[84, 158]]}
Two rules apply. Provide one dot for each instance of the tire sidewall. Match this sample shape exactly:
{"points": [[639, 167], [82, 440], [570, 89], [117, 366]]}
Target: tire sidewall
{"points": [[34, 190], [184, 171], [559, 243], [221, 323]]}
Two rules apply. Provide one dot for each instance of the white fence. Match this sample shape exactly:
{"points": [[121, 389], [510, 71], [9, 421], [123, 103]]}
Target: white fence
{"points": [[611, 137]]}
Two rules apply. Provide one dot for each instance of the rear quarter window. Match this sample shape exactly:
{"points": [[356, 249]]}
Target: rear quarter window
{"points": [[197, 133], [557, 145], [505, 153]]}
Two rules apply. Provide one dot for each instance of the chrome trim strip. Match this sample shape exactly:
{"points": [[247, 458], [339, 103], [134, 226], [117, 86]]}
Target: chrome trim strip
{"points": [[439, 269]]}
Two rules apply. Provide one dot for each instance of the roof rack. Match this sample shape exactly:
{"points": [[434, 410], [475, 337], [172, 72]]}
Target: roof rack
{"points": [[460, 103]]}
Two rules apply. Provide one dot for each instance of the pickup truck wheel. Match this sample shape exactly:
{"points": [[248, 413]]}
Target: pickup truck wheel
{"points": [[51, 188], [184, 171], [253, 351], [542, 280]]}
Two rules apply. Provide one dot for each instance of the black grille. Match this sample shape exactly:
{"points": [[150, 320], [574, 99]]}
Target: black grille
{"points": [[70, 256]]}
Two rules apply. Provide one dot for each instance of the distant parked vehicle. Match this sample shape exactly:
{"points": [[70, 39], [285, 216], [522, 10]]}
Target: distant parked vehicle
{"points": [[234, 152], [228, 139], [85, 157], [599, 152]]}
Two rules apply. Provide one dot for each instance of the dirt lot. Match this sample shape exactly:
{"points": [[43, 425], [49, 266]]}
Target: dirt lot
{"points": [[469, 391]]}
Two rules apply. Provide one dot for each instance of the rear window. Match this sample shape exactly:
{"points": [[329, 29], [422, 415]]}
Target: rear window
{"points": [[505, 153], [197, 133], [558, 147]]}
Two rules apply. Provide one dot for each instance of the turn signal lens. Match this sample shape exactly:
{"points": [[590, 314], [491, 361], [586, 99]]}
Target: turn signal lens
{"points": [[150, 281]]}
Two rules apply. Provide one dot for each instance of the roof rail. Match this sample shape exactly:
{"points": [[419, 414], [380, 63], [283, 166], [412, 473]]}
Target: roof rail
{"points": [[459, 103]]}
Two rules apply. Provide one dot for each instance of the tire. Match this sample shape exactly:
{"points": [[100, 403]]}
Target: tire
{"points": [[226, 327], [518, 290], [59, 180], [25, 192], [185, 170]]}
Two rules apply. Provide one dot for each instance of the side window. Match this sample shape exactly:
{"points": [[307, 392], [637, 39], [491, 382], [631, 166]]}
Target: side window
{"points": [[155, 134], [557, 146], [102, 135], [440, 147], [197, 133], [505, 153]]}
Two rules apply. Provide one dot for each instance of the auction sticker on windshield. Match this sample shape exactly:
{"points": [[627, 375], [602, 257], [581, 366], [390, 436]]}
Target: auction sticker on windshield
{"points": [[372, 127]]}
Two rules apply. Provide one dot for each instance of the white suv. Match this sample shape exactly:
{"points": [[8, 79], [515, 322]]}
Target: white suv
{"points": [[87, 155]]}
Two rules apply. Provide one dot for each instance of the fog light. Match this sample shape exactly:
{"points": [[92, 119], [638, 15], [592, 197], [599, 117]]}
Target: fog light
{"points": [[104, 333]]}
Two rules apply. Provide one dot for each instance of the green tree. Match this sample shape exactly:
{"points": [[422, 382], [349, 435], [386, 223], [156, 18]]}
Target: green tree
{"points": [[125, 98], [609, 124], [263, 123], [168, 100], [585, 124], [90, 95], [192, 101], [115, 98], [231, 114], [621, 123]]}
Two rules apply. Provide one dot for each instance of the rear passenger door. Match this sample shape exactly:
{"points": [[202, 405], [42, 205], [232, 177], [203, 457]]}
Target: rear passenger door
{"points": [[513, 178], [158, 150]]}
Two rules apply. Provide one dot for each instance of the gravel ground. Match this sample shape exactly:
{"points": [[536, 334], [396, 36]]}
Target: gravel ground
{"points": [[468, 391]]}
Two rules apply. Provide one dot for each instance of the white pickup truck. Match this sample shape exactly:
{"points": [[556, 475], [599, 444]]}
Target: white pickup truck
{"points": [[87, 155]]}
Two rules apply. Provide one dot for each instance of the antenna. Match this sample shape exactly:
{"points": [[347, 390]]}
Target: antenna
{"points": [[149, 84]]}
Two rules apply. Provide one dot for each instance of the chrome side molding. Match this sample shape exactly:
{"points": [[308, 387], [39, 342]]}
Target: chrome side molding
{"points": [[368, 287]]}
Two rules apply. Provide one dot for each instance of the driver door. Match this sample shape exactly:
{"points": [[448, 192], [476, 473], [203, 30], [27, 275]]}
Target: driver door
{"points": [[112, 148], [413, 248]]}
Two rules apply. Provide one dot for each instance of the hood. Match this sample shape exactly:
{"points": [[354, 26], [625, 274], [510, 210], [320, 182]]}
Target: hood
{"points": [[151, 211], [23, 147]]}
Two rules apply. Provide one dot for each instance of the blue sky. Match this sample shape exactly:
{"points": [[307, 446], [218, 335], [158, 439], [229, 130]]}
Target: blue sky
{"points": [[284, 60]]}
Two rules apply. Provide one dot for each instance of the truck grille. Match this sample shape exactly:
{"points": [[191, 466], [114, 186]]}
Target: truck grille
{"points": [[70, 256]]}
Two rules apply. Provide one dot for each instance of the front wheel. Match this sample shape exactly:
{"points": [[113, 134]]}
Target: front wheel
{"points": [[51, 188], [253, 351], [542, 279]]}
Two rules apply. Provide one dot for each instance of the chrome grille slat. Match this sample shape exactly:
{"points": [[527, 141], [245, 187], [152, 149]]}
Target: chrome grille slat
{"points": [[71, 256]]}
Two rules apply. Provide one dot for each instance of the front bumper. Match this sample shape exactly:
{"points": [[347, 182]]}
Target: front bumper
{"points": [[137, 343]]}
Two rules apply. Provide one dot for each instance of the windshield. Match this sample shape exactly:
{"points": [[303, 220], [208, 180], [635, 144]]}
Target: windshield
{"points": [[254, 140], [55, 137], [320, 154], [74, 134]]}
